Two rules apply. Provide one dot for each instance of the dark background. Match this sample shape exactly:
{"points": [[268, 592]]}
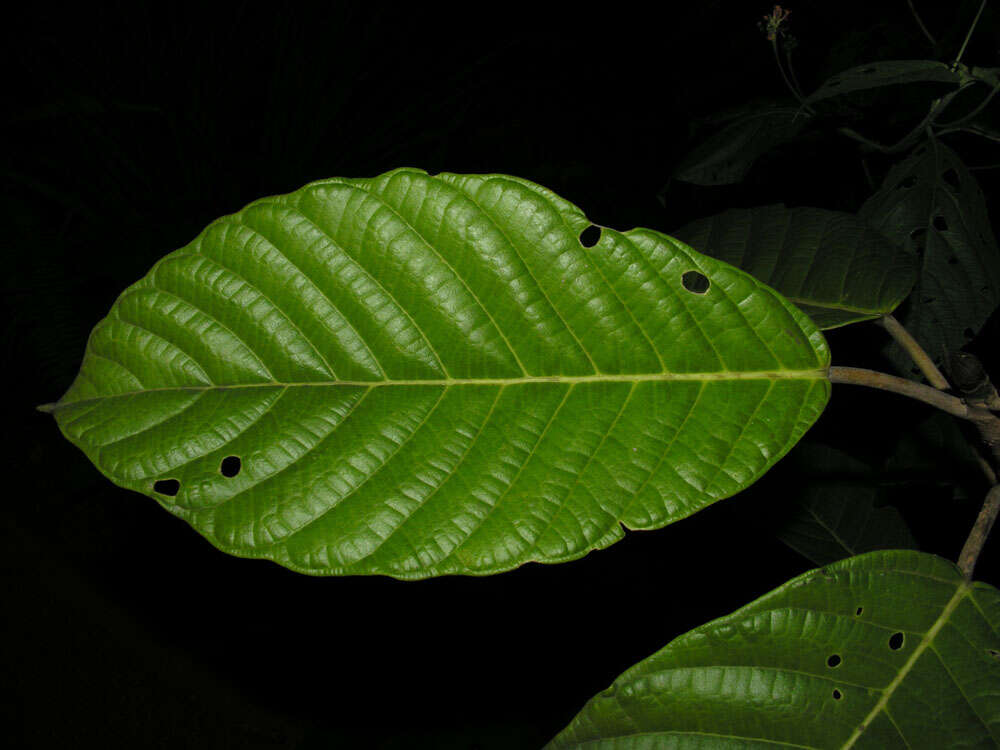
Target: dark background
{"points": [[130, 127]]}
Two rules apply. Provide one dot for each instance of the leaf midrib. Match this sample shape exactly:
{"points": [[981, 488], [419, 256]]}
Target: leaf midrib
{"points": [[963, 589], [818, 373]]}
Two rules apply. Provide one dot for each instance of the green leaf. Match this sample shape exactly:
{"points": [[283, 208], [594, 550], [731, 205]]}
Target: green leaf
{"points": [[836, 506], [831, 264], [886, 73], [887, 650], [833, 520], [930, 201], [417, 375], [726, 157]]}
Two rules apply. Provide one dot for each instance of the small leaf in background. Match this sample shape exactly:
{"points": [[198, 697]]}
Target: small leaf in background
{"points": [[835, 507], [832, 520], [931, 202], [935, 450], [892, 649], [831, 264], [886, 73], [725, 157], [418, 375]]}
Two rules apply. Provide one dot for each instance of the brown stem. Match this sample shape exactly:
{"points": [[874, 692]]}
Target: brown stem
{"points": [[902, 386], [920, 358], [980, 531]]}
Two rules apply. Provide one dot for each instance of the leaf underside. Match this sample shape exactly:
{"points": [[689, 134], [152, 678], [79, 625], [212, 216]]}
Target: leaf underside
{"points": [[931, 202], [831, 264], [417, 375], [887, 650]]}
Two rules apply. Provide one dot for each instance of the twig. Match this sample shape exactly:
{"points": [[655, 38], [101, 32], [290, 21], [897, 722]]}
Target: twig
{"points": [[973, 113], [883, 381], [795, 92], [971, 129], [980, 531], [961, 51], [937, 107], [920, 358], [920, 23]]}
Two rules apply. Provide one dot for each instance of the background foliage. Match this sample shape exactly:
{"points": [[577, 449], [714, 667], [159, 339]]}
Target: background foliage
{"points": [[131, 128]]}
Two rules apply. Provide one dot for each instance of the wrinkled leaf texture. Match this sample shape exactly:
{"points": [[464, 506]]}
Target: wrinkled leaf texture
{"points": [[885, 651], [831, 264], [417, 375]]}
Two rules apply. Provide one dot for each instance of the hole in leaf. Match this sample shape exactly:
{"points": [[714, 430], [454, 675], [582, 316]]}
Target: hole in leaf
{"points": [[834, 660], [231, 466], [837, 695], [859, 611], [590, 236], [907, 183], [940, 223], [951, 177], [167, 487], [896, 641], [994, 653], [953, 260], [695, 282]]}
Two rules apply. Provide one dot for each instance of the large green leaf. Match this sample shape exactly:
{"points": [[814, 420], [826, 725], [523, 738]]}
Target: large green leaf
{"points": [[883, 651], [930, 201], [418, 375], [829, 263], [885, 73]]}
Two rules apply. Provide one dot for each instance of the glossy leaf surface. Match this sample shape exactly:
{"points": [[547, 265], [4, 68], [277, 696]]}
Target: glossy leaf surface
{"points": [[831, 264], [931, 202], [883, 651], [417, 375]]}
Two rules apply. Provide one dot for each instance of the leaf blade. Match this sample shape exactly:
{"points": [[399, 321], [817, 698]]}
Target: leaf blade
{"points": [[431, 375], [831, 264], [778, 653]]}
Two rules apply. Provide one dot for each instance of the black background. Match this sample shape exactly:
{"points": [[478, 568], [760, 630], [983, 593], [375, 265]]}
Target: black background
{"points": [[130, 127]]}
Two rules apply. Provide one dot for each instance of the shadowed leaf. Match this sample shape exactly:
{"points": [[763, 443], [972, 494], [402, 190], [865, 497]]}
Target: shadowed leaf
{"points": [[831, 264]]}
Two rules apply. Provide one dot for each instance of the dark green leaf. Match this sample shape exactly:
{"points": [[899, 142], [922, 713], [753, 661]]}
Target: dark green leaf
{"points": [[883, 651], [832, 520], [417, 375], [831, 264], [726, 157], [930, 201], [886, 73]]}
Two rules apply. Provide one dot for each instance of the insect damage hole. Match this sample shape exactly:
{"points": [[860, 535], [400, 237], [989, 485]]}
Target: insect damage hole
{"points": [[695, 282], [859, 611], [167, 487], [896, 641], [940, 223], [837, 695], [230, 466], [590, 236], [833, 661]]}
